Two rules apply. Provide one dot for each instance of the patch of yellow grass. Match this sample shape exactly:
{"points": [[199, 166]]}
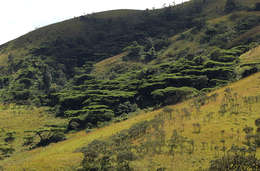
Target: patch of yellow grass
{"points": [[252, 56], [104, 64]]}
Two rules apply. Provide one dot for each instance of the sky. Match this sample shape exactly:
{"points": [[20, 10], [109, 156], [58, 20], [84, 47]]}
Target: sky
{"points": [[18, 17]]}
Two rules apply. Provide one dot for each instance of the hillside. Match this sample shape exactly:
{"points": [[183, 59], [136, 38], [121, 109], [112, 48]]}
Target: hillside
{"points": [[214, 127], [163, 89]]}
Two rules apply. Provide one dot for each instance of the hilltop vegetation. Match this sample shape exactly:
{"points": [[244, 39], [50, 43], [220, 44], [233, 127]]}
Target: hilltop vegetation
{"points": [[97, 69]]}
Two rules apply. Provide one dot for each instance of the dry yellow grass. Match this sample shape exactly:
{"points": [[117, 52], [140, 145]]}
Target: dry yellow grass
{"points": [[104, 64], [252, 56], [228, 127]]}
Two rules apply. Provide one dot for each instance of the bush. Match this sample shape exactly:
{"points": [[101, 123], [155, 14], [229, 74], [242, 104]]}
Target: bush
{"points": [[49, 136], [171, 95], [9, 137]]}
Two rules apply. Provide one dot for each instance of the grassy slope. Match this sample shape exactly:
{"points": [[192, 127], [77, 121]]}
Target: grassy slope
{"points": [[63, 156], [20, 119], [73, 28]]}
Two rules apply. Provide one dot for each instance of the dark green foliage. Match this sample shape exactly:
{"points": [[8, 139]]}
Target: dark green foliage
{"points": [[171, 95], [199, 23], [48, 136], [134, 52], [4, 81], [257, 123], [150, 55], [257, 6], [236, 162], [247, 71], [28, 140], [9, 137], [247, 23], [125, 108], [76, 124], [230, 6], [159, 44], [222, 73]]}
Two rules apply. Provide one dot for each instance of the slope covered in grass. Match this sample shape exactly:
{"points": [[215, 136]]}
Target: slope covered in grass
{"points": [[18, 125], [215, 126]]}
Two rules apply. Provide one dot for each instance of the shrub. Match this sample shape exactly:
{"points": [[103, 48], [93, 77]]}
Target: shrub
{"points": [[9, 137], [49, 136], [28, 140], [171, 95]]}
